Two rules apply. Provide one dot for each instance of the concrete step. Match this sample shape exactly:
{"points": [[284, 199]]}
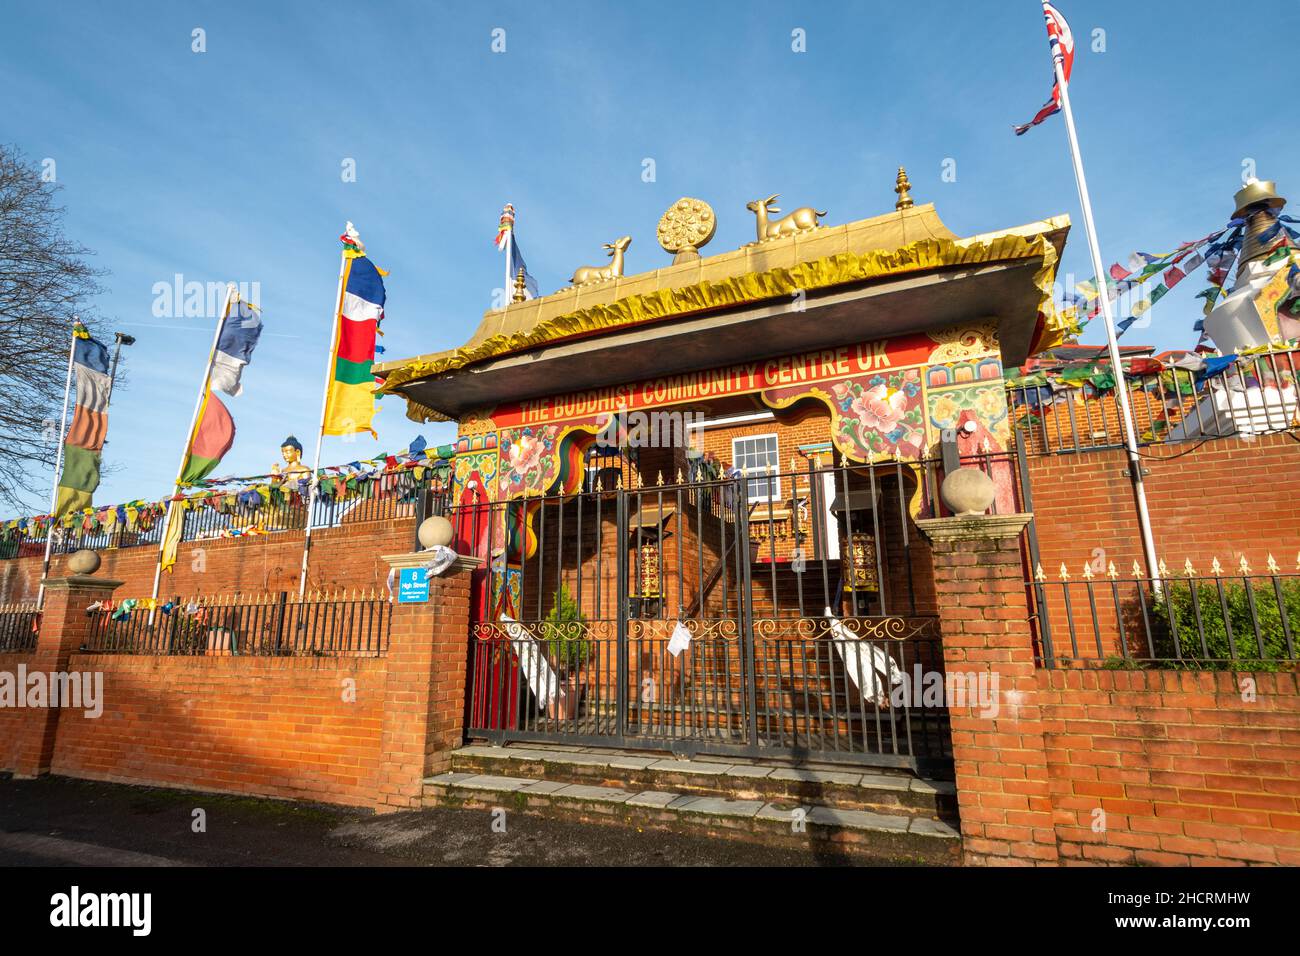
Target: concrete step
{"points": [[868, 814], [828, 785], [861, 834]]}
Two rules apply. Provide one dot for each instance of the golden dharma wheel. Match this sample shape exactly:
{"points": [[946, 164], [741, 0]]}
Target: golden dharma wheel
{"points": [[687, 225]]}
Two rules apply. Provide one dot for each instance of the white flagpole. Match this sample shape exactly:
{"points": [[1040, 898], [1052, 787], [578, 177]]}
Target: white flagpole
{"points": [[189, 443], [320, 432], [1121, 385], [510, 255], [58, 467]]}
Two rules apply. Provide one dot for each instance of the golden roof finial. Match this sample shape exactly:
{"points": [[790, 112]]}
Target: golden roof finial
{"points": [[901, 186], [519, 295]]}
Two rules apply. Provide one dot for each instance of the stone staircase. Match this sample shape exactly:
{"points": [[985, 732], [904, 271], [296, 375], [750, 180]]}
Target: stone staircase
{"points": [[858, 813]]}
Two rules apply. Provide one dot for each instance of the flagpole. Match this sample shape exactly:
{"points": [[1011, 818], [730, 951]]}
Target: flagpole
{"points": [[58, 466], [510, 256], [1121, 385], [189, 444], [320, 432]]}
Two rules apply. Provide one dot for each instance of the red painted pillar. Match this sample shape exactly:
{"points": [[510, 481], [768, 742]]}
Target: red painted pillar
{"points": [[65, 626], [424, 702], [999, 747]]}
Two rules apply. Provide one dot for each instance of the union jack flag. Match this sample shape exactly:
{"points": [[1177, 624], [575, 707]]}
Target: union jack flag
{"points": [[1061, 41]]}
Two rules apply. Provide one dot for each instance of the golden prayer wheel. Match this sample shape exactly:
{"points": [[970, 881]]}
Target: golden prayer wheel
{"points": [[649, 572], [859, 563]]}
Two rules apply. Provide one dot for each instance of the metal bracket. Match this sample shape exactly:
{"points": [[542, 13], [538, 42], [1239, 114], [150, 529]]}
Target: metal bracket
{"points": [[1127, 472]]}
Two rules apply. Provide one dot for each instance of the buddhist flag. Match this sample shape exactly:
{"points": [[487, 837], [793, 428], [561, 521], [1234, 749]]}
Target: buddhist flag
{"points": [[85, 439], [350, 399], [212, 439], [1061, 41]]}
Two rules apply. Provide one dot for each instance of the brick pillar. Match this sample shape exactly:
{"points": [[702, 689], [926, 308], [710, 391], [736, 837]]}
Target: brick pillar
{"points": [[424, 700], [65, 626], [1000, 758]]}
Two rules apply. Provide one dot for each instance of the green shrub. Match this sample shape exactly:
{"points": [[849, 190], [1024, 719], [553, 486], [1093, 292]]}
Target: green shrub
{"points": [[566, 644], [1186, 601]]}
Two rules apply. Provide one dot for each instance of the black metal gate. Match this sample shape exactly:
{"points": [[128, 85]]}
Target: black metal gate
{"points": [[760, 615]]}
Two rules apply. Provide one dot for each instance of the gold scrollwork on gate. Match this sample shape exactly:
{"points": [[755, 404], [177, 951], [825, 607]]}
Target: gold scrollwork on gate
{"points": [[862, 628], [720, 629], [545, 631]]}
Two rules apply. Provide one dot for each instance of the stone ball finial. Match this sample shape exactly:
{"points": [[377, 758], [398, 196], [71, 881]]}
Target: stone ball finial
{"points": [[83, 562], [968, 491], [434, 532]]}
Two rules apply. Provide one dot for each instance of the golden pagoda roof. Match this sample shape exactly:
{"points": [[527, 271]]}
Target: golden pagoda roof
{"points": [[907, 241]]}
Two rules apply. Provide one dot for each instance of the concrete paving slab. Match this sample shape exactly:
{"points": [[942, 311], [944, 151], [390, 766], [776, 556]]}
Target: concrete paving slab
{"points": [[603, 794], [489, 782], [857, 819], [657, 799]]}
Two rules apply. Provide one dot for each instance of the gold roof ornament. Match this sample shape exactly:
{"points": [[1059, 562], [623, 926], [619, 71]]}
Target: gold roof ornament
{"points": [[803, 219], [520, 287], [685, 227], [901, 186], [1257, 191], [1259, 204], [586, 275]]}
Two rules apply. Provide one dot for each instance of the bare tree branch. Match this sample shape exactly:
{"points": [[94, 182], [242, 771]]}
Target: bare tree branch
{"points": [[44, 281]]}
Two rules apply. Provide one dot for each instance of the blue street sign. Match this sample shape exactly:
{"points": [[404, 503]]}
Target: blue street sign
{"points": [[413, 586]]}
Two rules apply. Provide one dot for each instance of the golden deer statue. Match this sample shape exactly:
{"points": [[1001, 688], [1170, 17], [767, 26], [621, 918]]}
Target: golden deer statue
{"points": [[586, 275], [803, 219]]}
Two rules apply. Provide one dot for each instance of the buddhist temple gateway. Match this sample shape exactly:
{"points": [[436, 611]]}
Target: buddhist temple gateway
{"points": [[678, 586]]}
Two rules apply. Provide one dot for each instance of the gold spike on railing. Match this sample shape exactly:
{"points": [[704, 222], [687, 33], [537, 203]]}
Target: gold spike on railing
{"points": [[1137, 569], [1162, 569], [660, 480], [1216, 568], [1272, 564], [1064, 573], [1111, 572], [1188, 569], [1245, 567], [1038, 573], [680, 480], [1087, 570], [600, 485]]}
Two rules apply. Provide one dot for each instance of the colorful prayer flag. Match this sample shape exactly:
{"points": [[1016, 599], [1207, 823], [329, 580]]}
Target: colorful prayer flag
{"points": [[212, 439], [1061, 41], [350, 400], [85, 438], [239, 334]]}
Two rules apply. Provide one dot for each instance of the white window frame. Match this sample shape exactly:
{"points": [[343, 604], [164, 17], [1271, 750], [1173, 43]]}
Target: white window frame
{"points": [[773, 478]]}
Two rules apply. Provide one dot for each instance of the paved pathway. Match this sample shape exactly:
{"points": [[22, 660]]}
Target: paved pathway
{"points": [[55, 821]]}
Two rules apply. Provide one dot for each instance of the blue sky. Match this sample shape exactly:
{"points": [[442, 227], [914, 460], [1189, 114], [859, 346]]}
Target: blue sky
{"points": [[227, 164]]}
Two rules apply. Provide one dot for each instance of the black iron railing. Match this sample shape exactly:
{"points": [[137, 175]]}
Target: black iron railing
{"points": [[19, 627], [277, 625], [1218, 621]]}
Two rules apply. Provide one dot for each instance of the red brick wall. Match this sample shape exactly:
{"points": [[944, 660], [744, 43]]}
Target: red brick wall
{"points": [[12, 719], [345, 557], [1186, 771], [266, 726], [1225, 499]]}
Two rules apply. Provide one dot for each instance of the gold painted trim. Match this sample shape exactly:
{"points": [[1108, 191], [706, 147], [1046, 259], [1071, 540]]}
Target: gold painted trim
{"points": [[752, 287]]}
